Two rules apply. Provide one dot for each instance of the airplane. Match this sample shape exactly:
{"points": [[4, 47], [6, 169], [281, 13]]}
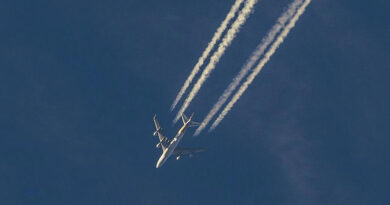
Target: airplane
{"points": [[169, 147]]}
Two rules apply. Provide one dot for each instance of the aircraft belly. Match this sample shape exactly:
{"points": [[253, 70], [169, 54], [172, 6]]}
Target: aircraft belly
{"points": [[171, 147], [161, 160]]}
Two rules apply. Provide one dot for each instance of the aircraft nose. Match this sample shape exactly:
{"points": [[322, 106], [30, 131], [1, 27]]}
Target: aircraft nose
{"points": [[159, 163]]}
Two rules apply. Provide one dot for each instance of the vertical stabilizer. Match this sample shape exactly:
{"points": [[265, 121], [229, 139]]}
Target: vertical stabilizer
{"points": [[184, 118]]}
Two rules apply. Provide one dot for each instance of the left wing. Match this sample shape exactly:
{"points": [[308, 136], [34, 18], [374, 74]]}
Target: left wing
{"points": [[163, 141]]}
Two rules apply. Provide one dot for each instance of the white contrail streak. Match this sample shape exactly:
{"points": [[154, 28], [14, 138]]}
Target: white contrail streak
{"points": [[259, 51], [261, 64], [206, 52], [226, 41]]}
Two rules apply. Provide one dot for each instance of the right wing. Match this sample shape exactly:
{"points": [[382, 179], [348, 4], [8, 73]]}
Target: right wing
{"points": [[187, 151], [163, 141]]}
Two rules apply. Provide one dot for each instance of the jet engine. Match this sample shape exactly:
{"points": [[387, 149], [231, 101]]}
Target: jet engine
{"points": [[156, 132], [158, 145], [178, 157]]}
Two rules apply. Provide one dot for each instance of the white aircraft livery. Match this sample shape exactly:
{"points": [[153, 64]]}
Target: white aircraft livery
{"points": [[169, 147]]}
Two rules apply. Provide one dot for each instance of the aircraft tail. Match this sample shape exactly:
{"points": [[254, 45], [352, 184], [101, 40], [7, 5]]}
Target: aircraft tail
{"points": [[185, 119]]}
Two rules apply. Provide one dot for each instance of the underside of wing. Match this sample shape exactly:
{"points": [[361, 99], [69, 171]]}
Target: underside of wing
{"points": [[187, 151], [163, 141]]}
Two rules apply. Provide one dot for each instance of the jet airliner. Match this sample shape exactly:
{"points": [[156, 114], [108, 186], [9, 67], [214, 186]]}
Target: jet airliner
{"points": [[169, 147]]}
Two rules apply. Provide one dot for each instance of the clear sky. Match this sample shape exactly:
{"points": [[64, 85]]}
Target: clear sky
{"points": [[80, 81]]}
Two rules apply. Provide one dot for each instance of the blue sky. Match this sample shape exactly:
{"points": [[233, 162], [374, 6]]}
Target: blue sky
{"points": [[80, 83]]}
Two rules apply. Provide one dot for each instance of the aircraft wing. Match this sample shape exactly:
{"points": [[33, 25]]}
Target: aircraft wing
{"points": [[163, 140], [187, 151]]}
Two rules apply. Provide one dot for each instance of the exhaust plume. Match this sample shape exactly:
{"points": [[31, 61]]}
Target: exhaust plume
{"points": [[226, 41], [261, 64], [259, 51], [206, 52]]}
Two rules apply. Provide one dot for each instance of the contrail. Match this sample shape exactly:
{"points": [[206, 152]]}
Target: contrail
{"points": [[226, 41], [280, 23], [205, 54], [261, 64]]}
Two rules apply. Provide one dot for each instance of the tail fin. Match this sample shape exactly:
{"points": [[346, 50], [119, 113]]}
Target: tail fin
{"points": [[185, 119]]}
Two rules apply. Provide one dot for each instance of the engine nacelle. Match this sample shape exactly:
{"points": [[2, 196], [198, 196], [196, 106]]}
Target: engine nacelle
{"points": [[156, 132], [178, 157], [158, 145]]}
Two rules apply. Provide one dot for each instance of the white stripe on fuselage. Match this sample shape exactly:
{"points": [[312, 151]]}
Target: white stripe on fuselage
{"points": [[169, 150]]}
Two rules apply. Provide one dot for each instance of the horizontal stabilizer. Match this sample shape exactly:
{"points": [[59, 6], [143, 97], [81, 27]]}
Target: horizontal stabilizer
{"points": [[194, 124], [184, 118]]}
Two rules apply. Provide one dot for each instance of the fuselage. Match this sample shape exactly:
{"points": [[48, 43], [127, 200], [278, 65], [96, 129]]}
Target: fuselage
{"points": [[173, 144]]}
